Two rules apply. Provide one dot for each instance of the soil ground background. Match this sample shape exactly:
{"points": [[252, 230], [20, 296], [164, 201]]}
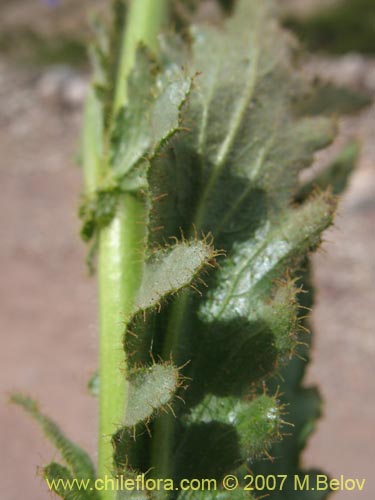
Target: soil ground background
{"points": [[48, 303]]}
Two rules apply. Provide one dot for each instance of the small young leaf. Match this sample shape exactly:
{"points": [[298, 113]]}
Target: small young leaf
{"points": [[150, 118], [150, 389], [168, 271]]}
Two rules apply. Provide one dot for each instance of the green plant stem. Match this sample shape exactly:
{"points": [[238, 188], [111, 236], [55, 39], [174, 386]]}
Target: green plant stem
{"points": [[121, 252], [92, 140], [120, 270], [146, 17]]}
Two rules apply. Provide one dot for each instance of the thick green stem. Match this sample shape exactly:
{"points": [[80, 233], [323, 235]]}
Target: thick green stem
{"points": [[121, 252], [120, 270], [146, 17]]}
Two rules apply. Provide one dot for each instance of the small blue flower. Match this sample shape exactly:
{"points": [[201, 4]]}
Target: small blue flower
{"points": [[51, 3]]}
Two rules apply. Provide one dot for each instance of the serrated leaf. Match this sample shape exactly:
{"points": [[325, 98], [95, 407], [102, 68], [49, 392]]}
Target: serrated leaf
{"points": [[75, 457], [235, 173], [249, 272], [151, 117], [303, 410], [240, 161], [150, 389], [169, 270], [243, 349], [222, 434], [257, 423], [232, 171], [242, 333]]}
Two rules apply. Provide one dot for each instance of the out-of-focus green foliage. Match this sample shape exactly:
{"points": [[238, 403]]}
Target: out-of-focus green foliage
{"points": [[329, 99], [347, 26], [31, 47]]}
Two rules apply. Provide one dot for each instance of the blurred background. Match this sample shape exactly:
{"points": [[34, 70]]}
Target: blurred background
{"points": [[48, 303]]}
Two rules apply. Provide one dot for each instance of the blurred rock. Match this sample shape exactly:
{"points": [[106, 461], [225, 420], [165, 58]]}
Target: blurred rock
{"points": [[74, 92], [61, 85]]}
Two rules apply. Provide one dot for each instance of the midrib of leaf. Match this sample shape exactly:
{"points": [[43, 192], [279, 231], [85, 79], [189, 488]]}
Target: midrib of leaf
{"points": [[205, 114], [254, 172], [247, 264], [236, 121]]}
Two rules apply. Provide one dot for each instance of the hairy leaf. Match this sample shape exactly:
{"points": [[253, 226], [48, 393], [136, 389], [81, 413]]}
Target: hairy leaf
{"points": [[209, 148], [231, 171], [303, 410], [151, 117], [235, 173], [258, 422], [150, 389], [169, 270]]}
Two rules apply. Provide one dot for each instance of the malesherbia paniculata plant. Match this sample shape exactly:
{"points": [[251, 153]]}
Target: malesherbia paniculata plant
{"points": [[192, 152]]}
